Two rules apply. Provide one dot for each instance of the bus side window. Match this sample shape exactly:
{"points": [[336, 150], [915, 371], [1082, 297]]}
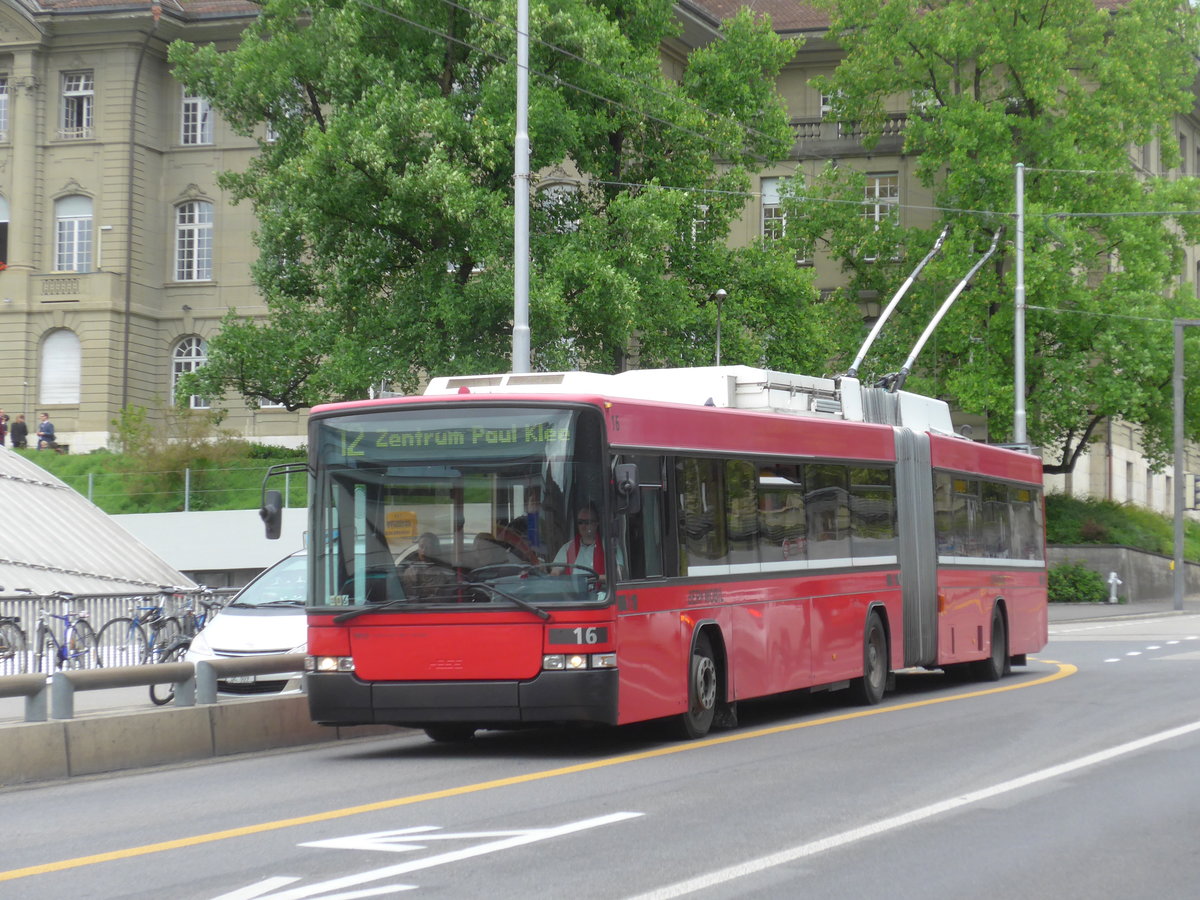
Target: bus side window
{"points": [[642, 533], [702, 536]]}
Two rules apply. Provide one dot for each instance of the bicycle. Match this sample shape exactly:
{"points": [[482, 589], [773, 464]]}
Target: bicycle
{"points": [[78, 646], [13, 646], [138, 638], [190, 624]]}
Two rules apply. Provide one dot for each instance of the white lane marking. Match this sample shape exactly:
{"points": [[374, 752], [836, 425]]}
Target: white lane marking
{"points": [[335, 888], [1113, 659], [1134, 653], [783, 857]]}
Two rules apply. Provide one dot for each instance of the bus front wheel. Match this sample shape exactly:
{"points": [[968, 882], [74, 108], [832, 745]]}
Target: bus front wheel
{"points": [[702, 691], [450, 733]]}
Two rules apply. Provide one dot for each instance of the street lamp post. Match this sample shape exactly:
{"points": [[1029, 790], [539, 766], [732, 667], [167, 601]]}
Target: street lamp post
{"points": [[719, 296]]}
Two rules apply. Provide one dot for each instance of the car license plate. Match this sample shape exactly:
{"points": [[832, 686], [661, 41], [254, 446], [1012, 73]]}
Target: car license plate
{"points": [[239, 679]]}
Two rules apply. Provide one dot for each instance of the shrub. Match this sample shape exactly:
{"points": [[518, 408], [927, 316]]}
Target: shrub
{"points": [[1075, 583]]}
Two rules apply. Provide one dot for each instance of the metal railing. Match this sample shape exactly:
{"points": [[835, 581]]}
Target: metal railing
{"points": [[98, 609], [54, 697], [185, 489]]}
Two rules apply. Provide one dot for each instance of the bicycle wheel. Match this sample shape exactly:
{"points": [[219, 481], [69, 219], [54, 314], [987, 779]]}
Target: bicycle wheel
{"points": [[162, 694], [81, 648], [164, 634], [45, 657], [12, 649], [122, 643]]}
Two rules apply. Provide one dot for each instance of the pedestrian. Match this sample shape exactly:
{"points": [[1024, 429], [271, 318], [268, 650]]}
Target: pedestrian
{"points": [[3, 426], [45, 434], [20, 432]]}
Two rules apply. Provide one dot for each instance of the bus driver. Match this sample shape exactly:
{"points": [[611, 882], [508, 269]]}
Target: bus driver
{"points": [[586, 548]]}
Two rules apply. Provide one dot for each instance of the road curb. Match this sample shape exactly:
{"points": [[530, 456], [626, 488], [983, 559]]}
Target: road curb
{"points": [[61, 749]]}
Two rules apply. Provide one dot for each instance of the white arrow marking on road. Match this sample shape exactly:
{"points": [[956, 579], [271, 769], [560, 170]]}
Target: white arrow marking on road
{"points": [[335, 888], [398, 841]]}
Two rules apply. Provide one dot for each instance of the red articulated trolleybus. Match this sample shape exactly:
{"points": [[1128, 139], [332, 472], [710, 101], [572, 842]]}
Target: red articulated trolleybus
{"points": [[751, 532]]}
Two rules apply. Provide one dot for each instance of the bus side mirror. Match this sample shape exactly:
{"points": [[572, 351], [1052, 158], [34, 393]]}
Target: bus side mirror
{"points": [[629, 497], [272, 514]]}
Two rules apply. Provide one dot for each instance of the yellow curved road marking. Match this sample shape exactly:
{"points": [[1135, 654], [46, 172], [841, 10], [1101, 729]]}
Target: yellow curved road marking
{"points": [[1064, 670]]}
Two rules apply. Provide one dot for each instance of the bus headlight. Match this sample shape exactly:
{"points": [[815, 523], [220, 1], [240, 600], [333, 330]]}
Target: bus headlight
{"points": [[328, 664], [560, 662]]}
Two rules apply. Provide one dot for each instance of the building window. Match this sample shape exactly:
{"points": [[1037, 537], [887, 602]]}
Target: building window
{"points": [[560, 205], [3, 108], [1183, 157], [197, 121], [59, 376], [193, 241], [3, 233], [882, 197], [189, 355], [73, 234], [773, 225], [78, 99]]}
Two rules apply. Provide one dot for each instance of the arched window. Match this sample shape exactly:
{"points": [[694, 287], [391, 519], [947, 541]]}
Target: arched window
{"points": [[189, 355], [560, 204], [60, 368], [194, 241], [73, 234]]}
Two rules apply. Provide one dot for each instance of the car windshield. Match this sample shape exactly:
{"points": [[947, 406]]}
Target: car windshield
{"points": [[418, 505], [284, 584]]}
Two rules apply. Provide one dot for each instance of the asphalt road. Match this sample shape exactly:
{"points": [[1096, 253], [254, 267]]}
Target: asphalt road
{"points": [[1075, 777]]}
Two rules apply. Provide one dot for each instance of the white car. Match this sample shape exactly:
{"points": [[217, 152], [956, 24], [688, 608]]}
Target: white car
{"points": [[265, 618]]}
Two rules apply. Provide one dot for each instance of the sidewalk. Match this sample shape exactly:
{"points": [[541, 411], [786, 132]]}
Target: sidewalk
{"points": [[1082, 612]]}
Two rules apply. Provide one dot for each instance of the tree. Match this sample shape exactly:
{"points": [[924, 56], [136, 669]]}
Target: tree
{"points": [[1068, 89], [385, 200]]}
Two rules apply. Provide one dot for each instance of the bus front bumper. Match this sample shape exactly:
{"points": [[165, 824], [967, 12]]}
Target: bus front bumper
{"points": [[341, 698]]}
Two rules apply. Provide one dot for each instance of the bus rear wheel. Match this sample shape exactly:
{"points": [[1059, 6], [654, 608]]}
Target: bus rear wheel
{"points": [[702, 691], [995, 666], [870, 688]]}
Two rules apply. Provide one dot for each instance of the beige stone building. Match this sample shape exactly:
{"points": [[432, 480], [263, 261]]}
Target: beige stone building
{"points": [[122, 252]]}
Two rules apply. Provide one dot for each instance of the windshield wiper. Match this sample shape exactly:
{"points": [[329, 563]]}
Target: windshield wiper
{"points": [[363, 610], [276, 603], [400, 601], [520, 601]]}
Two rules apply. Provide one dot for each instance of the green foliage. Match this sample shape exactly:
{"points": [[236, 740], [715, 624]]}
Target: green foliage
{"points": [[385, 206], [1075, 583], [1065, 87], [187, 461], [1070, 520]]}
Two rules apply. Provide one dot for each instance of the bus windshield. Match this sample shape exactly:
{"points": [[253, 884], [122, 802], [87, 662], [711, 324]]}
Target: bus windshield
{"points": [[418, 507]]}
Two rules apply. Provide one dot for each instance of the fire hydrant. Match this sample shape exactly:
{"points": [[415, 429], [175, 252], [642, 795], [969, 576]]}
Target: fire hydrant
{"points": [[1113, 583]]}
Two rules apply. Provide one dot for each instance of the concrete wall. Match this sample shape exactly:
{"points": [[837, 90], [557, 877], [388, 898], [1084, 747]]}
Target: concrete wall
{"points": [[1145, 576], [50, 751]]}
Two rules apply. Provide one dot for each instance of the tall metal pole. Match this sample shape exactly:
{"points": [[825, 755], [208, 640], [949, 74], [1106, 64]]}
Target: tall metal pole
{"points": [[719, 296], [1177, 390], [520, 338], [1020, 436]]}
